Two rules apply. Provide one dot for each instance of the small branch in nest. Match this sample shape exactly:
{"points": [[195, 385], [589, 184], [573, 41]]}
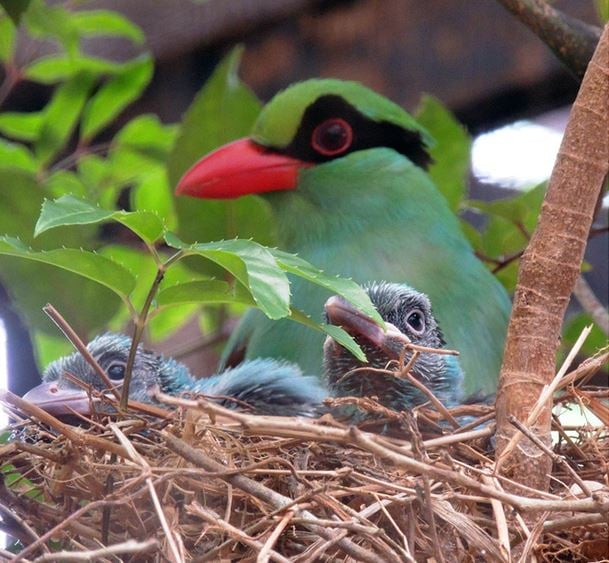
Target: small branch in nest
{"points": [[378, 445], [556, 458], [129, 546], [238, 535], [262, 493], [41, 541], [71, 335]]}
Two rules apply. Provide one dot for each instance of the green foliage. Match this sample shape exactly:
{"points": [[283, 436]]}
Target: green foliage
{"points": [[602, 9], [227, 109], [59, 185], [450, 154]]}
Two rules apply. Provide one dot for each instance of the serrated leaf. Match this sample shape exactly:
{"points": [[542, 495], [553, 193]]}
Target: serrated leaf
{"points": [[201, 291], [69, 210], [61, 115], [92, 23], [252, 265], [450, 154], [82, 262], [7, 38], [344, 287], [115, 95], [21, 126]]}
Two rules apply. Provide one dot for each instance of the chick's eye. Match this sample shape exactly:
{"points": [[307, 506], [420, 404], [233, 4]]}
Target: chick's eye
{"points": [[332, 137], [116, 371], [416, 321]]}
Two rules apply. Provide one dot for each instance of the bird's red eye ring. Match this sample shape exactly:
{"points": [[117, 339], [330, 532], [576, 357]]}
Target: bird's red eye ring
{"points": [[332, 136]]}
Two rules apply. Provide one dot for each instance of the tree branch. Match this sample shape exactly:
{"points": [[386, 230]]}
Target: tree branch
{"points": [[549, 269], [570, 39]]}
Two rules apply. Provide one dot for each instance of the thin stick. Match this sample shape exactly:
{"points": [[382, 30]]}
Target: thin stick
{"points": [[71, 335], [265, 553], [556, 458], [129, 546]]}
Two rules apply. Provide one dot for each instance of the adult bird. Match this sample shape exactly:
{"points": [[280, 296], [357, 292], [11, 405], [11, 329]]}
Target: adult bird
{"points": [[344, 170], [409, 320], [267, 386]]}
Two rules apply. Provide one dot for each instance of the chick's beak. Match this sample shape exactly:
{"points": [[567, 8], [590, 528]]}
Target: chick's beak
{"points": [[56, 401], [341, 313]]}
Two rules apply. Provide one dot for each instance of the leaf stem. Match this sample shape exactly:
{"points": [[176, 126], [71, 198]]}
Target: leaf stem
{"points": [[140, 320]]}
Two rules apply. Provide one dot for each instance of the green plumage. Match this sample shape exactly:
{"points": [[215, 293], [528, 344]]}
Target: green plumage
{"points": [[367, 210]]}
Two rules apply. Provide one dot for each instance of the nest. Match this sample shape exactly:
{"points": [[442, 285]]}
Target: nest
{"points": [[204, 483]]}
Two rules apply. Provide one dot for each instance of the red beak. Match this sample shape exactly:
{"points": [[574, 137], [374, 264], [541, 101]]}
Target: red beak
{"points": [[240, 168]]}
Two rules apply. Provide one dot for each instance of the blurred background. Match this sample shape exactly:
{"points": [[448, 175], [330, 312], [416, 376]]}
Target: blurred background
{"points": [[500, 81]]}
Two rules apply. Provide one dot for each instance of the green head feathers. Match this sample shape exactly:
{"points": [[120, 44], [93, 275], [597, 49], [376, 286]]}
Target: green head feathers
{"points": [[280, 119]]}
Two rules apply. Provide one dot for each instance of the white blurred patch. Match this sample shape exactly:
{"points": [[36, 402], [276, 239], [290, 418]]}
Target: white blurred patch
{"points": [[518, 155]]}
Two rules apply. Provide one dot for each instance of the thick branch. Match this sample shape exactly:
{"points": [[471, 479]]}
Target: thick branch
{"points": [[550, 267], [570, 39]]}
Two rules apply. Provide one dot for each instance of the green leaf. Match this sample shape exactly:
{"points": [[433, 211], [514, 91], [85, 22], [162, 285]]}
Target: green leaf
{"points": [[147, 135], [84, 263], [15, 9], [345, 287], [49, 69], [602, 9], [20, 202], [114, 96], [201, 291], [61, 115], [57, 68], [21, 126], [152, 194], [252, 265], [13, 155], [7, 38], [450, 154], [523, 208], [64, 182], [222, 111], [336, 332], [68, 210], [53, 22], [92, 23], [572, 330], [345, 340]]}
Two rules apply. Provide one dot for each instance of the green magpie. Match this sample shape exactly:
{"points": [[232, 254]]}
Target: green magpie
{"points": [[344, 170]]}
